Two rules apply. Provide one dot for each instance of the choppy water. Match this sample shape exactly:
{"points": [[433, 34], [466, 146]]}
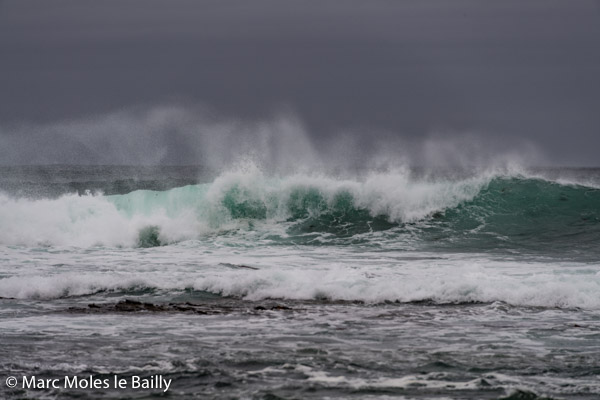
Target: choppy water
{"points": [[398, 284]]}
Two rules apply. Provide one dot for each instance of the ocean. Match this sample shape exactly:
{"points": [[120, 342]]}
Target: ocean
{"points": [[405, 283]]}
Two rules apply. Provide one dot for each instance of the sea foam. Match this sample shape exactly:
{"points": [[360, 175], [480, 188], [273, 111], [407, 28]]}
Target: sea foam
{"points": [[230, 202]]}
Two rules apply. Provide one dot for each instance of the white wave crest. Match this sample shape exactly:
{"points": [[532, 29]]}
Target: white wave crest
{"points": [[192, 211]]}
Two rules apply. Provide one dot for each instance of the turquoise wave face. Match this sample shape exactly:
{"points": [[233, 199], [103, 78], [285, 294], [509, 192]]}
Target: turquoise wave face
{"points": [[523, 214], [504, 213]]}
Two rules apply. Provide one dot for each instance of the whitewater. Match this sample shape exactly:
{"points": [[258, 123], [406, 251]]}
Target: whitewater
{"points": [[404, 283]]}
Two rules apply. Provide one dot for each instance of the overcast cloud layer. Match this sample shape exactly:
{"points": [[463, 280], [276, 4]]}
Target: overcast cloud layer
{"points": [[364, 72]]}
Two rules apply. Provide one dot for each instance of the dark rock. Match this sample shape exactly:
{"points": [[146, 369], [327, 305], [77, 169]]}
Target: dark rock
{"points": [[208, 308], [237, 266]]}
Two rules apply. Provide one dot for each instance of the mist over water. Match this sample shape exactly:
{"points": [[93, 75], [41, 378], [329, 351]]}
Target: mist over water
{"points": [[178, 135]]}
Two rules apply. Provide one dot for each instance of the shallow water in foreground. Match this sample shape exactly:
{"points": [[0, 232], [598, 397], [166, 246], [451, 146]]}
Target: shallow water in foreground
{"points": [[317, 350], [393, 286]]}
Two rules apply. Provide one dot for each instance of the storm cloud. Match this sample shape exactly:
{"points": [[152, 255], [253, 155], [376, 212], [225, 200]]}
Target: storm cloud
{"points": [[367, 73]]}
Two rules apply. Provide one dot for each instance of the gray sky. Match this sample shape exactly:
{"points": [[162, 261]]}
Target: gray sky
{"points": [[503, 72]]}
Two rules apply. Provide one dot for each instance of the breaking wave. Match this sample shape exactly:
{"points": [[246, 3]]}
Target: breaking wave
{"points": [[501, 210]]}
